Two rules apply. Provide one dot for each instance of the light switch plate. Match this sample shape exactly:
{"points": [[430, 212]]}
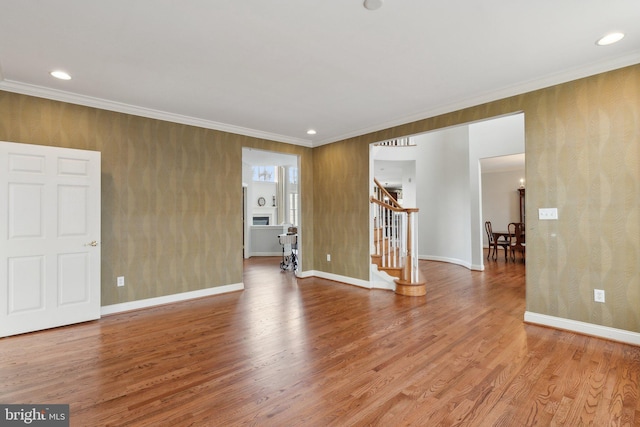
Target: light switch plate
{"points": [[548, 213]]}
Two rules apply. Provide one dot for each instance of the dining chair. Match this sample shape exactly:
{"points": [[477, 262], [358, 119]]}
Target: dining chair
{"points": [[516, 239], [494, 243]]}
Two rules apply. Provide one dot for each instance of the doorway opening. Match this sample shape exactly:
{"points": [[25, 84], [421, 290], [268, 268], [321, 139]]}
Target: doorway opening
{"points": [[502, 196], [271, 201], [447, 184]]}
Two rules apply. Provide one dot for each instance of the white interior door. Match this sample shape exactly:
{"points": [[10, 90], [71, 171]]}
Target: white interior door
{"points": [[49, 237]]}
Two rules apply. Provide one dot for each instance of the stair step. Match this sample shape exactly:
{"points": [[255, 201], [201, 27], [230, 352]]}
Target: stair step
{"points": [[392, 271], [376, 259]]}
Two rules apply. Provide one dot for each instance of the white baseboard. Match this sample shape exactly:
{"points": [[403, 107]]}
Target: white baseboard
{"points": [[613, 334], [335, 278], [344, 279], [445, 259], [167, 299], [265, 254], [456, 261], [381, 279], [304, 274], [477, 267]]}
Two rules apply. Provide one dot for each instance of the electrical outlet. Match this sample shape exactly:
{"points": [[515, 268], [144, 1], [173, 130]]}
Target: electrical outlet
{"points": [[598, 295], [120, 281], [548, 213], [329, 257]]}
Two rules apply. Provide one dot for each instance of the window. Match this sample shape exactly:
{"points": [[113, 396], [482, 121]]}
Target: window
{"points": [[293, 209], [264, 173], [293, 175]]}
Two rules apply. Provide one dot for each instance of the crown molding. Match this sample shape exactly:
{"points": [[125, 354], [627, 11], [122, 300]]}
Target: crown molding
{"points": [[536, 84], [103, 104], [529, 86]]}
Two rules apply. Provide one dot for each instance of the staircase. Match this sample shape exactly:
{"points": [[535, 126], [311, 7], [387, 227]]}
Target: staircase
{"points": [[394, 246]]}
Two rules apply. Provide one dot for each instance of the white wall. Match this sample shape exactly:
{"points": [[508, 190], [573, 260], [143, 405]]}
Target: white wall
{"points": [[288, 189], [409, 190], [448, 182], [491, 138], [404, 160], [442, 180]]}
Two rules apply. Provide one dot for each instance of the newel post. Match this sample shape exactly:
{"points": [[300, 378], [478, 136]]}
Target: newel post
{"points": [[409, 261]]}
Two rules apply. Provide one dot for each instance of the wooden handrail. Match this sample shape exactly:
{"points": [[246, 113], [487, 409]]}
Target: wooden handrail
{"points": [[385, 205], [386, 193], [391, 207]]}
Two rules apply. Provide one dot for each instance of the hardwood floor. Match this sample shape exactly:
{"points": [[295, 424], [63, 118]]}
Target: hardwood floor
{"points": [[312, 352]]}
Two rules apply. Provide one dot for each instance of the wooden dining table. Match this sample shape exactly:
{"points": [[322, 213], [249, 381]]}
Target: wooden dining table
{"points": [[499, 234], [506, 235]]}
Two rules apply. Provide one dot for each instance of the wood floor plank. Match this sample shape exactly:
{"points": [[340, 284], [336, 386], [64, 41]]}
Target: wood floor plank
{"points": [[312, 352]]}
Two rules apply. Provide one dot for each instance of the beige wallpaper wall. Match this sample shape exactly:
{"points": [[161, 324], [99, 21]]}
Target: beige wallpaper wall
{"points": [[582, 156], [341, 217], [172, 198], [171, 193]]}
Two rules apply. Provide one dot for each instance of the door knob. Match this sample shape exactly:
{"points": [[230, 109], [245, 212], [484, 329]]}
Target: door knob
{"points": [[94, 243]]}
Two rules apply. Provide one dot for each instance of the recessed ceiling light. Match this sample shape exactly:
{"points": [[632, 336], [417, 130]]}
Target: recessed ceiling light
{"points": [[373, 4], [311, 132], [610, 39], [60, 75]]}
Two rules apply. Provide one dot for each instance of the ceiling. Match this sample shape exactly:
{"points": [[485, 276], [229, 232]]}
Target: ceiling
{"points": [[514, 162], [390, 173], [273, 69]]}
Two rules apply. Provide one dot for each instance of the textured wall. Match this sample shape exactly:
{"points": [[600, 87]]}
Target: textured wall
{"points": [[582, 142], [341, 217], [583, 157], [171, 193]]}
